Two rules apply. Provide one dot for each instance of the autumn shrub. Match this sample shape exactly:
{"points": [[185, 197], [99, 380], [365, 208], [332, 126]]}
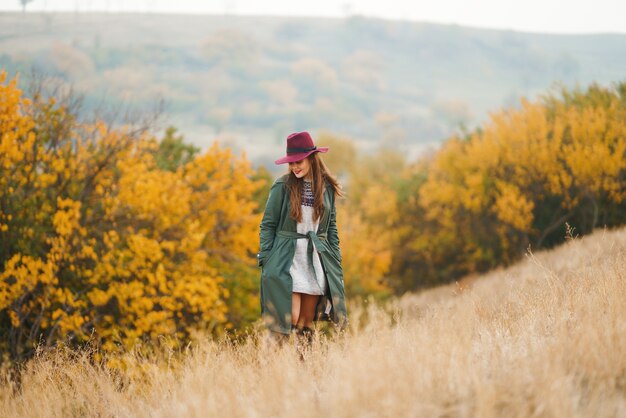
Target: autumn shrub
{"points": [[481, 200], [102, 239]]}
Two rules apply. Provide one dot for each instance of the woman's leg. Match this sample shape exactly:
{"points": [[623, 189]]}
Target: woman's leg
{"points": [[295, 307], [307, 310]]}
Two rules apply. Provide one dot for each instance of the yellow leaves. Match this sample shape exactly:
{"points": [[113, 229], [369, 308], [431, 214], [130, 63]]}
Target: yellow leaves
{"points": [[15, 320], [66, 218], [88, 252], [152, 195], [46, 179], [595, 153], [366, 252], [16, 140], [143, 250], [111, 238], [512, 207], [98, 297], [56, 314], [21, 275], [383, 213], [473, 195], [68, 322]]}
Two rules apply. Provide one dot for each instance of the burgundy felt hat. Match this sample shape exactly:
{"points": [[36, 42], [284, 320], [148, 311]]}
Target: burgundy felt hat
{"points": [[299, 146]]}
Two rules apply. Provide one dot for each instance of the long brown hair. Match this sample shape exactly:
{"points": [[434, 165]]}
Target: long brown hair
{"points": [[321, 177]]}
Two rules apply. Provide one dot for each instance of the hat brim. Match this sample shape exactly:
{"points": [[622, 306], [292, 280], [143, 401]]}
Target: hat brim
{"points": [[292, 158]]}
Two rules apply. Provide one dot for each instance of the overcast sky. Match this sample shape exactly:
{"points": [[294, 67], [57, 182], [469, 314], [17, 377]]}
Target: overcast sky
{"points": [[552, 16]]}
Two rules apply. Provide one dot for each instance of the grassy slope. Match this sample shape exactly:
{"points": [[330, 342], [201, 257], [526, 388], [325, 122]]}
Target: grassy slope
{"points": [[545, 337]]}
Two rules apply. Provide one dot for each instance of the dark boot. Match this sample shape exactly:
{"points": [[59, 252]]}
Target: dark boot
{"points": [[307, 335]]}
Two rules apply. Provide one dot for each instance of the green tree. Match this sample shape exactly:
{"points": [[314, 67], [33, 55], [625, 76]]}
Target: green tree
{"points": [[173, 152]]}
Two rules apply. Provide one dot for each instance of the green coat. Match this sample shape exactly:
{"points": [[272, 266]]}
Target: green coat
{"points": [[278, 237]]}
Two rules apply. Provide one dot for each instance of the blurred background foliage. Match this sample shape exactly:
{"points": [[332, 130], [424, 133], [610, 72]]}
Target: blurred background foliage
{"points": [[408, 85]]}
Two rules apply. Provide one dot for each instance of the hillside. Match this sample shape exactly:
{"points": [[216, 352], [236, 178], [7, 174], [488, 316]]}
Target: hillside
{"points": [[250, 80], [545, 337]]}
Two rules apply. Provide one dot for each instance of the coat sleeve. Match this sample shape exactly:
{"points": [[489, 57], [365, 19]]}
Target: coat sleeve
{"points": [[270, 221], [333, 235]]}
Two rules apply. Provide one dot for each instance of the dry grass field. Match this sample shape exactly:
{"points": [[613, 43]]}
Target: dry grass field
{"points": [[543, 338]]}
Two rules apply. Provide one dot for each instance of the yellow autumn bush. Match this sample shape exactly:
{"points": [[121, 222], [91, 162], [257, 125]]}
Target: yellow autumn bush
{"points": [[515, 182], [367, 216], [99, 242]]}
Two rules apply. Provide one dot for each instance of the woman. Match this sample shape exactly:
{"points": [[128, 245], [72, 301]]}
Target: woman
{"points": [[302, 278]]}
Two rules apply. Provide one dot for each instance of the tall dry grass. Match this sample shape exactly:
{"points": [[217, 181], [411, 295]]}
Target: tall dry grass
{"points": [[545, 338]]}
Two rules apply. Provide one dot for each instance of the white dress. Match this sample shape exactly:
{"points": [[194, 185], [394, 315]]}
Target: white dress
{"points": [[307, 278]]}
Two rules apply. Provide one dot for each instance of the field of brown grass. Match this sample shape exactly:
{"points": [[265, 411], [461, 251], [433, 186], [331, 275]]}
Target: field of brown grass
{"points": [[544, 338]]}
